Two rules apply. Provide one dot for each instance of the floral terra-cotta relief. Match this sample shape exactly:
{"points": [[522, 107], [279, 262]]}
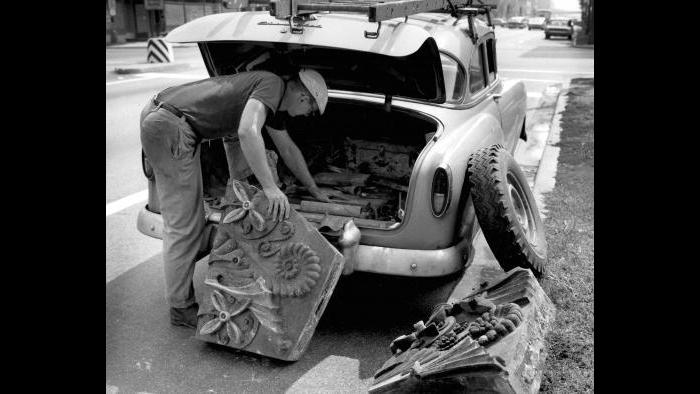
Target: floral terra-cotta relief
{"points": [[274, 268]]}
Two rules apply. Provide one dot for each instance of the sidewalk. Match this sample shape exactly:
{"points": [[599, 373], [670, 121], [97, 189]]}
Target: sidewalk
{"points": [[143, 44]]}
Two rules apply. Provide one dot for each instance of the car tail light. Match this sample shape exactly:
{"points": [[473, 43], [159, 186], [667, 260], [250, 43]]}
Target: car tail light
{"points": [[441, 194]]}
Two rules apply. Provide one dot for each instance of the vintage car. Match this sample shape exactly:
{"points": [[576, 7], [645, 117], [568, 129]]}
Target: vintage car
{"points": [[498, 22], [415, 144], [562, 27], [516, 22], [536, 23]]}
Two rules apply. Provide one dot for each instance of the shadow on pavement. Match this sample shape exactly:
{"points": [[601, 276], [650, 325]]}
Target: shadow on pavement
{"points": [[145, 353]]}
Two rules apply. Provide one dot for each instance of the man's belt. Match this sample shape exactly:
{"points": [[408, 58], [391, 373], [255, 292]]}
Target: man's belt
{"points": [[168, 107]]}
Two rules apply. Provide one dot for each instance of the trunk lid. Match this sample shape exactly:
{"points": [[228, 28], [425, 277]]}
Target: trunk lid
{"points": [[403, 61]]}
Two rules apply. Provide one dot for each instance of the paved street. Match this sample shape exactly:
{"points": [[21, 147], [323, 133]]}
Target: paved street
{"points": [[145, 354]]}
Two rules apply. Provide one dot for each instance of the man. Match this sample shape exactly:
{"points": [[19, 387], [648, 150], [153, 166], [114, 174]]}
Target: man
{"points": [[232, 106]]}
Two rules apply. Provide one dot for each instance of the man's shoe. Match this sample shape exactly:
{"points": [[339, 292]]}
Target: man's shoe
{"points": [[184, 316]]}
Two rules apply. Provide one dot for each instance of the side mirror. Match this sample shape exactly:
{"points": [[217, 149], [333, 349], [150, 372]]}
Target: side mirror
{"points": [[226, 4]]}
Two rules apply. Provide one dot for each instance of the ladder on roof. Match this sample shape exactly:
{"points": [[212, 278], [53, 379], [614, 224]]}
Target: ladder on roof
{"points": [[378, 10]]}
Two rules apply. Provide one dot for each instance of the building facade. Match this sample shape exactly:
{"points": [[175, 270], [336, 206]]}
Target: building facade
{"points": [[133, 20]]}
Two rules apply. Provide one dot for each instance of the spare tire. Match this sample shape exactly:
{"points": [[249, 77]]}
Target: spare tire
{"points": [[506, 210]]}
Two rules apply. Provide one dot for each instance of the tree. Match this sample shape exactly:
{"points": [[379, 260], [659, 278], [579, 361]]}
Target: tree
{"points": [[587, 19]]}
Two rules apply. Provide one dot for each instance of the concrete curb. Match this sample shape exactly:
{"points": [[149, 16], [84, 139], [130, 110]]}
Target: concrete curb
{"points": [[151, 67], [546, 172], [539, 121]]}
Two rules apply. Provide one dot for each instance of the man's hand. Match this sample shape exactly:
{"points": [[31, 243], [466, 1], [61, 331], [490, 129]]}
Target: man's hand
{"points": [[319, 194], [278, 205]]}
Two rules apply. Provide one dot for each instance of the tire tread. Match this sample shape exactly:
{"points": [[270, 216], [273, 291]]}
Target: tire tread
{"points": [[492, 205]]}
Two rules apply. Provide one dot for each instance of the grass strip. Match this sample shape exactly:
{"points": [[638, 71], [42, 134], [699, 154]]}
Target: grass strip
{"points": [[569, 230]]}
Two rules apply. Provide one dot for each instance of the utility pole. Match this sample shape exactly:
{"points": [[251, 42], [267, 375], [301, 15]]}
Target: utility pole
{"points": [[112, 4]]}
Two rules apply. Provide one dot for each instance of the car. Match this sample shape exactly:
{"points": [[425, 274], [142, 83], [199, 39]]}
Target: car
{"points": [[517, 22], [536, 23], [415, 146], [498, 21], [558, 27]]}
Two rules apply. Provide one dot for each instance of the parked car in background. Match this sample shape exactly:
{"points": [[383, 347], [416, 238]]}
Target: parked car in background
{"points": [[536, 23], [517, 22], [498, 21], [558, 27]]}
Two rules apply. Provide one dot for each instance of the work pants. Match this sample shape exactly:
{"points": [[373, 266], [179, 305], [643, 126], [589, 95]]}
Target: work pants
{"points": [[171, 147]]}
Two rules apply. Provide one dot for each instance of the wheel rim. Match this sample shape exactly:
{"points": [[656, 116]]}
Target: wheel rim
{"points": [[523, 210]]}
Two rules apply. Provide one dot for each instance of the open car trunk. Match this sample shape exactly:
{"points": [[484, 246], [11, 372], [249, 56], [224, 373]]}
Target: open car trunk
{"points": [[359, 153]]}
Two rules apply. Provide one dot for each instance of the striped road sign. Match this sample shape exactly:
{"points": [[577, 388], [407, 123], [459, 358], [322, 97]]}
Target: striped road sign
{"points": [[159, 51]]}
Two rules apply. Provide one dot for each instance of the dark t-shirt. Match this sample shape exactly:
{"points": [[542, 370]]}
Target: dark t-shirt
{"points": [[213, 106]]}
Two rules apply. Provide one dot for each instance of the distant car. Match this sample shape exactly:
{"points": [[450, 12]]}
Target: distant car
{"points": [[517, 22], [536, 23], [498, 21], [558, 27]]}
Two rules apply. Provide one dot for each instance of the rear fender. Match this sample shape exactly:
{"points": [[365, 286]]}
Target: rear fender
{"points": [[512, 105], [454, 150]]}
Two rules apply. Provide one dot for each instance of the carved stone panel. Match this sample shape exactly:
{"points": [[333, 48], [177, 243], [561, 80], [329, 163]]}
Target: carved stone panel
{"points": [[267, 282], [489, 341]]}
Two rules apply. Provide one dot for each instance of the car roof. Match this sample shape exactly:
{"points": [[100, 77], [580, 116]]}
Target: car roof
{"points": [[337, 30]]}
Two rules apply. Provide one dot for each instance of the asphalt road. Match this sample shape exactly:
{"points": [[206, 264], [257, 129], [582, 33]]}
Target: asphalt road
{"points": [[145, 354]]}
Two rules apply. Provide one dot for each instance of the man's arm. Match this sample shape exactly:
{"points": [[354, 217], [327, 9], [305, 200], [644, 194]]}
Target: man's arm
{"points": [[253, 147], [291, 154]]}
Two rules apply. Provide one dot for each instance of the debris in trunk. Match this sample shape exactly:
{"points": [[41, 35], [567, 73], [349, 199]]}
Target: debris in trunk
{"points": [[341, 179], [380, 158], [332, 208]]}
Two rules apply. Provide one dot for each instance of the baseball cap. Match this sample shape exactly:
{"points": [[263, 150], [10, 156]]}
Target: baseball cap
{"points": [[316, 85]]}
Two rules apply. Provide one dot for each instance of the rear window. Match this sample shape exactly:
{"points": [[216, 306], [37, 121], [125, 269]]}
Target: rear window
{"points": [[558, 23], [454, 76], [491, 59], [476, 72]]}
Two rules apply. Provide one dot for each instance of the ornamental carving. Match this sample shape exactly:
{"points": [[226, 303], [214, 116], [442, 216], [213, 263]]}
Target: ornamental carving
{"points": [[296, 270], [453, 346], [256, 267]]}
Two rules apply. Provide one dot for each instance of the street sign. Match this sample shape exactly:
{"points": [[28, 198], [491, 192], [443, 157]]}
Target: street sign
{"points": [[112, 7], [154, 4]]}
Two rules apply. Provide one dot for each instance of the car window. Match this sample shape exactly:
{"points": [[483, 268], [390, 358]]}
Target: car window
{"points": [[558, 22], [491, 59], [476, 72], [454, 76]]}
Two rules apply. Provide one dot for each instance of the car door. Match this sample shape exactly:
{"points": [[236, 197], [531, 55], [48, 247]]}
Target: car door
{"points": [[504, 94]]}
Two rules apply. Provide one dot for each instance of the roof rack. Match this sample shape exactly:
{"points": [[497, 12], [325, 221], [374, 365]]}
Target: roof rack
{"points": [[377, 10]]}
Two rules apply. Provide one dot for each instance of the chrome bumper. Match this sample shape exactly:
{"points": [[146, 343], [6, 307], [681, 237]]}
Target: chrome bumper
{"points": [[367, 258]]}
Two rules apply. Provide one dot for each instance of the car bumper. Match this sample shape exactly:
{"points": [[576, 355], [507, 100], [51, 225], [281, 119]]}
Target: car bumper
{"points": [[559, 32], [368, 258]]}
